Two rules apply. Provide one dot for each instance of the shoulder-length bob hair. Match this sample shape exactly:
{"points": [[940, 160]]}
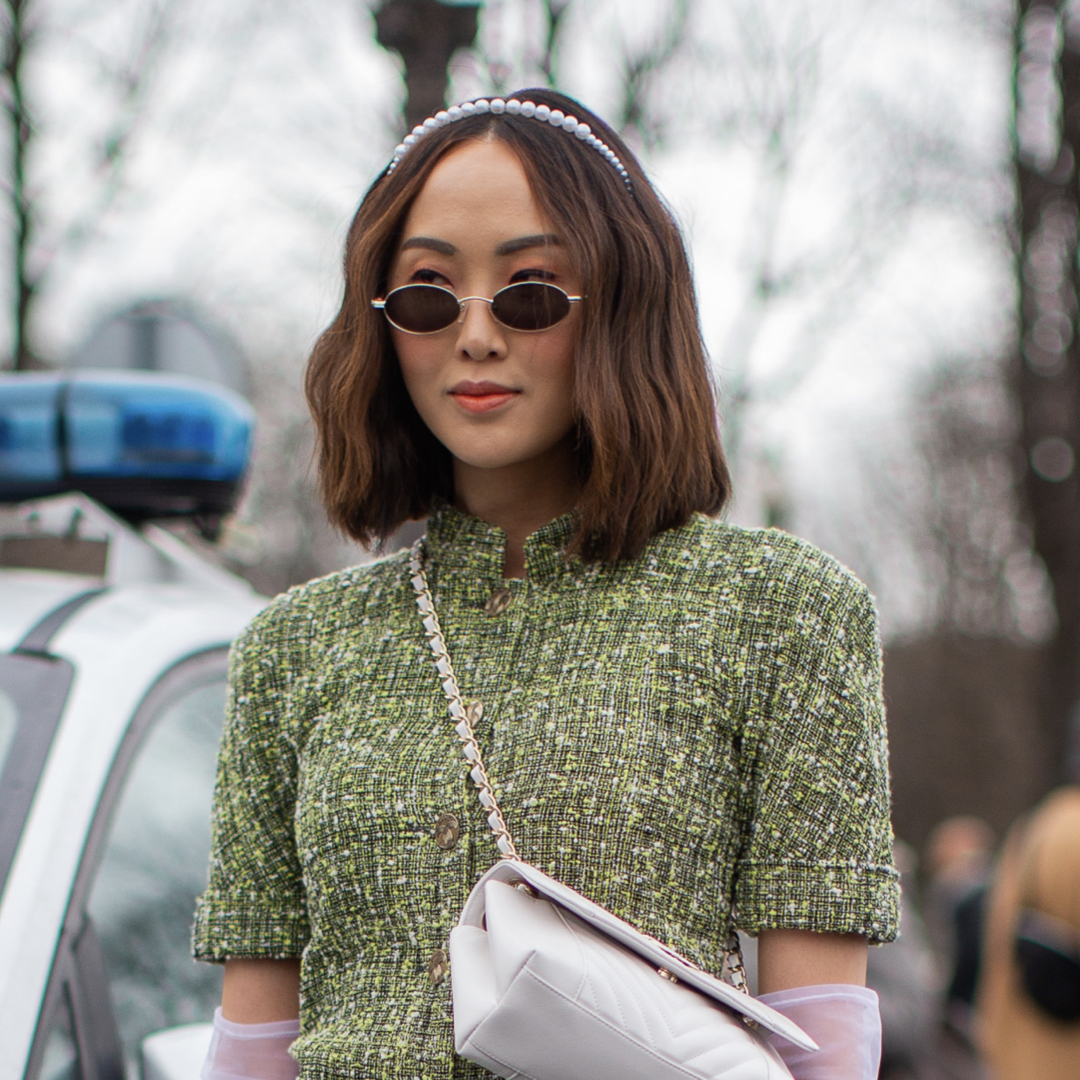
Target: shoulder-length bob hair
{"points": [[648, 449]]}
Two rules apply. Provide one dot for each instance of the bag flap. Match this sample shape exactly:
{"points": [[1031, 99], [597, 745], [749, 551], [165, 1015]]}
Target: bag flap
{"points": [[648, 948]]}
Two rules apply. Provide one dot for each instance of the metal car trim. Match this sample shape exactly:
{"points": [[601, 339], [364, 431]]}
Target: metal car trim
{"points": [[38, 637], [40, 684]]}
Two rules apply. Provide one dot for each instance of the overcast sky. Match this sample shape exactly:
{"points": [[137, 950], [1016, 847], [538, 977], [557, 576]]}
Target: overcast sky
{"points": [[879, 218]]}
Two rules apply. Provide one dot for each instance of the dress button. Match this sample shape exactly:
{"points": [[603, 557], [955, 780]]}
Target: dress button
{"points": [[438, 967], [447, 831], [498, 602]]}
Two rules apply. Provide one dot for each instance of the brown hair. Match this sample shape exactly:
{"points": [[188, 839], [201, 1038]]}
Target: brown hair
{"points": [[648, 448]]}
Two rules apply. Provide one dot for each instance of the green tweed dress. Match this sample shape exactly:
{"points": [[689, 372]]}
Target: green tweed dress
{"points": [[690, 737]]}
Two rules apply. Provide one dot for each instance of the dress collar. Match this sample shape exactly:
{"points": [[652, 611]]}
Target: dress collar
{"points": [[457, 542]]}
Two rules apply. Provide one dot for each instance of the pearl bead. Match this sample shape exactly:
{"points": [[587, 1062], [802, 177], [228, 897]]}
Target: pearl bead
{"points": [[528, 108], [455, 113], [409, 140], [483, 106], [498, 105], [570, 124], [430, 124], [443, 117], [513, 106], [542, 112], [556, 118], [468, 108], [399, 150]]}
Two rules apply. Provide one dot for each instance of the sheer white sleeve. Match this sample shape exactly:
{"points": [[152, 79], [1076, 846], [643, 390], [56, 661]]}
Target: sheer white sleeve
{"points": [[844, 1020], [251, 1051]]}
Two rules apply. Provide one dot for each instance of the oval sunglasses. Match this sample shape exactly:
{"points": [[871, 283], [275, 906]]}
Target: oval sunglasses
{"points": [[528, 306]]}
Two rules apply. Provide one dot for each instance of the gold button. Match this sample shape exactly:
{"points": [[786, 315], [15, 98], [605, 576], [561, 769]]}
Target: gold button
{"points": [[438, 967], [474, 712], [447, 831], [498, 602]]}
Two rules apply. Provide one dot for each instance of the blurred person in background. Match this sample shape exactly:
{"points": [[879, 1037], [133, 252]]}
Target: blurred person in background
{"points": [[907, 981], [1028, 1004], [959, 861]]}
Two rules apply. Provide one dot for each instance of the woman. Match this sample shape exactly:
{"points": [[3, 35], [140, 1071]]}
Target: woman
{"points": [[1038, 876], [683, 719]]}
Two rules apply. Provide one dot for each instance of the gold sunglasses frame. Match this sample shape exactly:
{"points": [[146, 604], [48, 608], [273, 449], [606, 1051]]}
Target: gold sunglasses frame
{"points": [[380, 305]]}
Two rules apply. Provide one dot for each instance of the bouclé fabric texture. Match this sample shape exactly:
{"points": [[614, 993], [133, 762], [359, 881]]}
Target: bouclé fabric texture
{"points": [[689, 738]]}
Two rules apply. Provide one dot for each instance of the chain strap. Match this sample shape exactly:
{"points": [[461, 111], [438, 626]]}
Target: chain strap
{"points": [[463, 717], [733, 961], [463, 721]]}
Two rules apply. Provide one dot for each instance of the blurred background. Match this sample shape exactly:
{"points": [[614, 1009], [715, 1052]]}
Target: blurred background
{"points": [[880, 199]]}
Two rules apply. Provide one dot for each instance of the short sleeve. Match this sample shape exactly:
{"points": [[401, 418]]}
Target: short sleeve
{"points": [[254, 904], [817, 849]]}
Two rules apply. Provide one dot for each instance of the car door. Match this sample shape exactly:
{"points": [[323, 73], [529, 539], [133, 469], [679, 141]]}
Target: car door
{"points": [[123, 967]]}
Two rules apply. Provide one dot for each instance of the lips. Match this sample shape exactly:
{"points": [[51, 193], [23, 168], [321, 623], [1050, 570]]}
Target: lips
{"points": [[480, 397]]}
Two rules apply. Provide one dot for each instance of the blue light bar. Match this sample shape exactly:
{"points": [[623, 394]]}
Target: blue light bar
{"points": [[143, 443]]}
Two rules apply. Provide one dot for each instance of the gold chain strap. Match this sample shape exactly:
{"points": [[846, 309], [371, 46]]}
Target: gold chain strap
{"points": [[463, 728]]}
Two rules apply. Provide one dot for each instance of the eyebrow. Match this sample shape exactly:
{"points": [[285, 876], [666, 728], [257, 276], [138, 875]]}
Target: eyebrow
{"points": [[443, 247], [509, 247], [523, 242]]}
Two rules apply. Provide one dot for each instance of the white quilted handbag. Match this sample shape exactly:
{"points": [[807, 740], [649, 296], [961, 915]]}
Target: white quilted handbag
{"points": [[547, 985]]}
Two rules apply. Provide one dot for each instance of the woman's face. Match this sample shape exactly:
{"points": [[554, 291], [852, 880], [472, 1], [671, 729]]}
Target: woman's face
{"points": [[494, 397]]}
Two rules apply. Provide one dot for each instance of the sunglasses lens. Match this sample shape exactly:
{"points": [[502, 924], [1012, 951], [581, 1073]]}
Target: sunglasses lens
{"points": [[530, 305], [421, 309]]}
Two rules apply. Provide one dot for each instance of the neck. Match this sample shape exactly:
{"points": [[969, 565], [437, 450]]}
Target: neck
{"points": [[519, 498]]}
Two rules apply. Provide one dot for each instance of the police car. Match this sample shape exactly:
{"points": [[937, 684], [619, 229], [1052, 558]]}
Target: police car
{"points": [[113, 645]]}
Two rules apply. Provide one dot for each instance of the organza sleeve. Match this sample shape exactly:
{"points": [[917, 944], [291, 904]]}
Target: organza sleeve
{"points": [[817, 845], [254, 903]]}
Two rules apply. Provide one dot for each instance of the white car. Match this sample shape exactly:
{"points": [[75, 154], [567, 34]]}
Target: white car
{"points": [[113, 652]]}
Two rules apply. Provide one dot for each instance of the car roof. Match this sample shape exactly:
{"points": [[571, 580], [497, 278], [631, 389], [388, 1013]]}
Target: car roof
{"points": [[42, 568]]}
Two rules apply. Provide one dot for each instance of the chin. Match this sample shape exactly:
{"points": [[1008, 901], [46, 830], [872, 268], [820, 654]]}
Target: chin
{"points": [[490, 461]]}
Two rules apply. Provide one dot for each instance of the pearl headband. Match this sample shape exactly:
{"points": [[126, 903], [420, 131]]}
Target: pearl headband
{"points": [[544, 113]]}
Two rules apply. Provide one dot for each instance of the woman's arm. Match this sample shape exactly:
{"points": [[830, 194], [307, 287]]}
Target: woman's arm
{"points": [[257, 1023], [260, 991], [791, 958], [818, 980]]}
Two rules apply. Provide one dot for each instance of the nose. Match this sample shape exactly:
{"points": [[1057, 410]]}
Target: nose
{"points": [[480, 337]]}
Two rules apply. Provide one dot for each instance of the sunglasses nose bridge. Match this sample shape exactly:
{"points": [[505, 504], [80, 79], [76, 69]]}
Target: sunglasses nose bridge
{"points": [[463, 306]]}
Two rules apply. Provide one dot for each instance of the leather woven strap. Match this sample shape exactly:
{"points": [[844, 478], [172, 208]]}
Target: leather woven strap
{"points": [[464, 716]]}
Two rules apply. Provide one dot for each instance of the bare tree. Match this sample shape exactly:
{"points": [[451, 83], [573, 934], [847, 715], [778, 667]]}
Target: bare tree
{"points": [[554, 12], [1045, 369], [641, 66], [37, 240]]}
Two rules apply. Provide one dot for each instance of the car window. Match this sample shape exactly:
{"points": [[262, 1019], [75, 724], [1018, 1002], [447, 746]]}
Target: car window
{"points": [[152, 868], [61, 1059]]}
